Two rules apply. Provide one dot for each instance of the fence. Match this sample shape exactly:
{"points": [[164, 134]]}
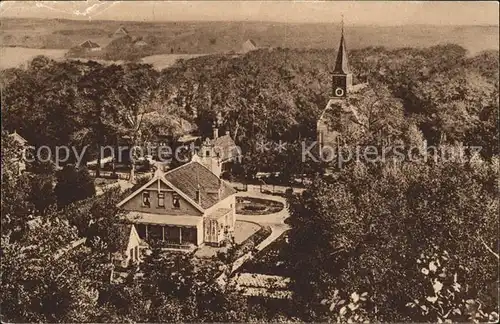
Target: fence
{"points": [[120, 175]]}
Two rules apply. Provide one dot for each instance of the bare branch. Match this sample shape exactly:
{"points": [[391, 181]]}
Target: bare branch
{"points": [[488, 248]]}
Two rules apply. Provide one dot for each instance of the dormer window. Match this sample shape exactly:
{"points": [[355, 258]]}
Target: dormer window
{"points": [[176, 203], [145, 199]]}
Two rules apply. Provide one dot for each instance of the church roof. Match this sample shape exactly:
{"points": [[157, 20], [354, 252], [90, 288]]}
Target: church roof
{"points": [[342, 63], [343, 107]]}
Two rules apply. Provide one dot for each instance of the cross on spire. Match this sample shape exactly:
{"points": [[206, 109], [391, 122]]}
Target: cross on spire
{"points": [[342, 23]]}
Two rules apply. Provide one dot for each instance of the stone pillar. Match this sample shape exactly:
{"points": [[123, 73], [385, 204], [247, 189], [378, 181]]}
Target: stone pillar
{"points": [[163, 233], [180, 235]]}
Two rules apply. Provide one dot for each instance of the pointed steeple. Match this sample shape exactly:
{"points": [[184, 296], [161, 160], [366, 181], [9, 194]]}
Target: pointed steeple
{"points": [[342, 76], [342, 63]]}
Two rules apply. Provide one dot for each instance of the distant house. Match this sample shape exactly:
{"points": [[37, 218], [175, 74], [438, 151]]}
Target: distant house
{"points": [[185, 207], [248, 46], [89, 45], [218, 153], [120, 32], [128, 245], [140, 43]]}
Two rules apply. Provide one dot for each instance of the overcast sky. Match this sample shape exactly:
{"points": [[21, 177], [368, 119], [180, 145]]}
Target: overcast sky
{"points": [[355, 12]]}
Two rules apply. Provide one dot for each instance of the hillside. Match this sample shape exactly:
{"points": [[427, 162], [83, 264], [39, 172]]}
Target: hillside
{"points": [[211, 37]]}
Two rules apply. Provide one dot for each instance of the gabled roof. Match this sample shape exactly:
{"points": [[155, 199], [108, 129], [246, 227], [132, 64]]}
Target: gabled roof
{"points": [[121, 30], [225, 147], [193, 175], [160, 177], [186, 180], [18, 138], [89, 44]]}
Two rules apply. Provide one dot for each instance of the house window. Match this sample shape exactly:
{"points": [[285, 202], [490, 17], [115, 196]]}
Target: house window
{"points": [[132, 256], [145, 199], [161, 199], [207, 153], [176, 201], [197, 196]]}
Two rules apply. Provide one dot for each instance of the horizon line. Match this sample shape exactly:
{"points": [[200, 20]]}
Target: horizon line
{"points": [[246, 21]]}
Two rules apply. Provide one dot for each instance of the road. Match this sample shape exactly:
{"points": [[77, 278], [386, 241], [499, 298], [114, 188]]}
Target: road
{"points": [[275, 221]]}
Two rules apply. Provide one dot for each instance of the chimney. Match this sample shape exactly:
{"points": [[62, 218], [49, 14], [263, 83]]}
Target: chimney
{"points": [[227, 133], [220, 189], [216, 131], [198, 196]]}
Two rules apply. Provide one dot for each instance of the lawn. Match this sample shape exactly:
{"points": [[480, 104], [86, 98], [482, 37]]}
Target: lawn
{"points": [[242, 231], [257, 206], [272, 260]]}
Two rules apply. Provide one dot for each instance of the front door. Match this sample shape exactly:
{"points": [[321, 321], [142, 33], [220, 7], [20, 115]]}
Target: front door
{"points": [[211, 231]]}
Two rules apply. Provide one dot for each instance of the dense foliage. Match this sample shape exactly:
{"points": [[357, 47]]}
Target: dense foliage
{"points": [[382, 229], [266, 95], [393, 242]]}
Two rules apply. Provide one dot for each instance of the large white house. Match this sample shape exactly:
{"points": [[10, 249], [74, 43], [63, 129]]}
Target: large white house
{"points": [[189, 205]]}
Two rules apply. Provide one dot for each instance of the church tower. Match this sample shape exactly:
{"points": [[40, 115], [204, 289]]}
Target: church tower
{"points": [[334, 117], [342, 76]]}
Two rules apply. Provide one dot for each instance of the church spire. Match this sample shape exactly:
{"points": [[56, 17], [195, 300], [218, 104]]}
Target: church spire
{"points": [[342, 76], [342, 63]]}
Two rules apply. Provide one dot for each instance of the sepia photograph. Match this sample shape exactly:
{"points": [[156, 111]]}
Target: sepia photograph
{"points": [[250, 161]]}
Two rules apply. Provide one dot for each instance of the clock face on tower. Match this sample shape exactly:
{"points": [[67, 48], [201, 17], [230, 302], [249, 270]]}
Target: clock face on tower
{"points": [[339, 92], [339, 85]]}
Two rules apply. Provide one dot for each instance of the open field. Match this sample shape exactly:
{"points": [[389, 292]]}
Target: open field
{"points": [[212, 37], [16, 56], [11, 57], [23, 39]]}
